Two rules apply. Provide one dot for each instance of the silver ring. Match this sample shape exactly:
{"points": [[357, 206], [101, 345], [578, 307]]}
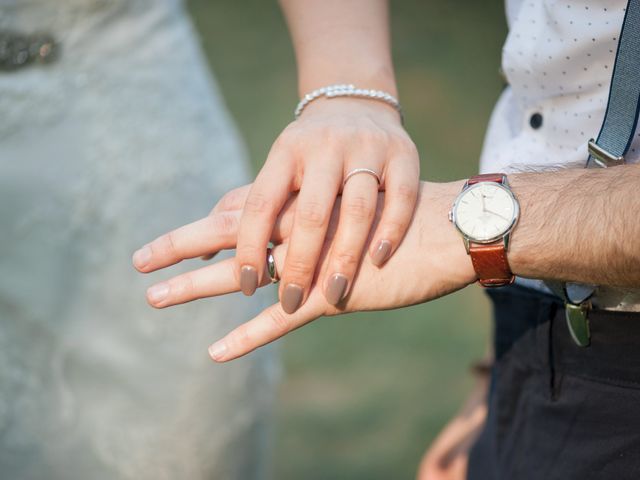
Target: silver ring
{"points": [[271, 266], [355, 171]]}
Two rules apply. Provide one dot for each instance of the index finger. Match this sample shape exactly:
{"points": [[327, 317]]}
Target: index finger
{"points": [[204, 236], [218, 231]]}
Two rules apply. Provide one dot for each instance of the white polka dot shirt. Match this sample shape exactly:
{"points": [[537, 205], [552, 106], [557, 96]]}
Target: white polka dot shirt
{"points": [[558, 60]]}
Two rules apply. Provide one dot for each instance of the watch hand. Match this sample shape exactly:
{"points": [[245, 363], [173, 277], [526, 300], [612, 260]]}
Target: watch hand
{"points": [[497, 214], [484, 207]]}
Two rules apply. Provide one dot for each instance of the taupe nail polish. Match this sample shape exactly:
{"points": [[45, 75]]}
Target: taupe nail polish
{"points": [[382, 253], [248, 279], [291, 297], [336, 287]]}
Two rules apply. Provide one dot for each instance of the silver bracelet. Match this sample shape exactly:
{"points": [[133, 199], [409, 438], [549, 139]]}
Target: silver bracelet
{"points": [[342, 90]]}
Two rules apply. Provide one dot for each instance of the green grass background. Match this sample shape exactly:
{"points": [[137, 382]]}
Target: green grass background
{"points": [[364, 394]]}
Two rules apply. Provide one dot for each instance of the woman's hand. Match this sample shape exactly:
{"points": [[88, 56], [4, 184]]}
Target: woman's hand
{"points": [[448, 455], [312, 156], [430, 262]]}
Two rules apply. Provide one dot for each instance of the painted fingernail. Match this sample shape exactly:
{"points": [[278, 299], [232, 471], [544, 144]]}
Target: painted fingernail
{"points": [[217, 350], [158, 293], [382, 253], [291, 297], [248, 279], [142, 257], [335, 289]]}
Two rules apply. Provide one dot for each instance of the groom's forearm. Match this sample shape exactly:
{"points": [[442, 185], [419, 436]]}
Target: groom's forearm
{"points": [[341, 41], [579, 225]]}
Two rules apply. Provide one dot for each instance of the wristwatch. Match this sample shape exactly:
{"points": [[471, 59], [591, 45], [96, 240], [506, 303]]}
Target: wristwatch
{"points": [[485, 212]]}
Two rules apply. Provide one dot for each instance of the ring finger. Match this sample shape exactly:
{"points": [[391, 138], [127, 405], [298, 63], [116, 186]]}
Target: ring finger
{"points": [[357, 211]]}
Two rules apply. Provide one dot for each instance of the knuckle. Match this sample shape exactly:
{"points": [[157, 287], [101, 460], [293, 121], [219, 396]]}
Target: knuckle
{"points": [[170, 243], [185, 287], [347, 258], [334, 138], [406, 192], [241, 338], [341, 135], [258, 202], [359, 208], [312, 214], [282, 144], [231, 200], [376, 136], [280, 322], [405, 145], [394, 228], [290, 139], [298, 267], [224, 223], [249, 252], [231, 271], [223, 203]]}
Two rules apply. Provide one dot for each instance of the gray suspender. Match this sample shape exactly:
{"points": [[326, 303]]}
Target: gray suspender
{"points": [[612, 144], [621, 117]]}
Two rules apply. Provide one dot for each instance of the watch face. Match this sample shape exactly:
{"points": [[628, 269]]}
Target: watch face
{"points": [[484, 212]]}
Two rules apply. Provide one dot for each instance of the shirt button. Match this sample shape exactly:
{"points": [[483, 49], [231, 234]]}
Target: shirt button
{"points": [[535, 121]]}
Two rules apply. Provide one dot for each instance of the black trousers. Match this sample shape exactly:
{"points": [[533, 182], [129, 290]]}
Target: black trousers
{"points": [[556, 410]]}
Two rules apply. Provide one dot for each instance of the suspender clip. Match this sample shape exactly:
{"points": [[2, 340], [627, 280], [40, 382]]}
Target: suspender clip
{"points": [[577, 316], [602, 157]]}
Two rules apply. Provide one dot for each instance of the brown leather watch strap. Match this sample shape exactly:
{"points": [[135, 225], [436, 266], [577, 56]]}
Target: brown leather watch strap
{"points": [[491, 264], [487, 177], [490, 261]]}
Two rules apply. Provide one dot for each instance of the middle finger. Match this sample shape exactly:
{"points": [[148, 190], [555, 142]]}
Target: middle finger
{"points": [[315, 202]]}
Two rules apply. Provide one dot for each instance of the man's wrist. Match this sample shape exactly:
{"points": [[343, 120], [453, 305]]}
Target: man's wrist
{"points": [[451, 250], [537, 249], [485, 212]]}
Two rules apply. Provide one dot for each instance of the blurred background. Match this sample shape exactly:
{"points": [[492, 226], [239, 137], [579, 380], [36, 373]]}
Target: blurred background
{"points": [[363, 395]]}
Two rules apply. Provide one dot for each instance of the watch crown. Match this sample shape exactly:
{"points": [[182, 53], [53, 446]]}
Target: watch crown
{"points": [[450, 215]]}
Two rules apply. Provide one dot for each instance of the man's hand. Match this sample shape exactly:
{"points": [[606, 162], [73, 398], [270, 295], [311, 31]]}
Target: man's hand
{"points": [[447, 457], [430, 262]]}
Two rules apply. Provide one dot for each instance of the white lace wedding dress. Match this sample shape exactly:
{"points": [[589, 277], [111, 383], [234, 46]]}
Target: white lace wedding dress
{"points": [[120, 138]]}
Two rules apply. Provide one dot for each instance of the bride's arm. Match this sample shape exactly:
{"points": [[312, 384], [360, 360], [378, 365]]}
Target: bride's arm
{"points": [[336, 42], [341, 41]]}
